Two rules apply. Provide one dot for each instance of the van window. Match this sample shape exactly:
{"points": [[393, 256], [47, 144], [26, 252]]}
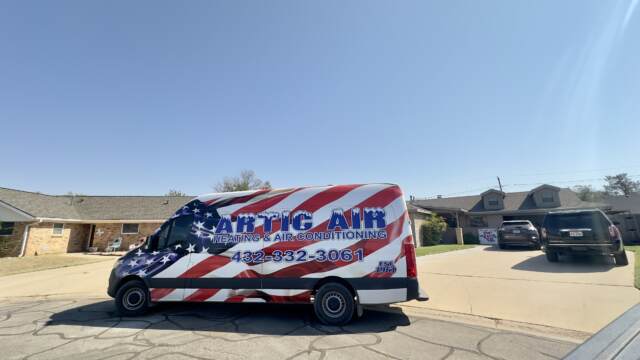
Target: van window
{"points": [[180, 230], [163, 235]]}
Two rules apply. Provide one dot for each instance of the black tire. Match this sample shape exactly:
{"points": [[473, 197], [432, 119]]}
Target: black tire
{"points": [[502, 246], [552, 256], [536, 246], [334, 304], [621, 259], [132, 298]]}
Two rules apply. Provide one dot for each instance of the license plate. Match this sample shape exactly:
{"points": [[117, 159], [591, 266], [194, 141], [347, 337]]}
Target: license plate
{"points": [[575, 233], [516, 231]]}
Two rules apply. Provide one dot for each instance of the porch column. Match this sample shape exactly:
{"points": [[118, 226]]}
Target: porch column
{"points": [[459, 234]]}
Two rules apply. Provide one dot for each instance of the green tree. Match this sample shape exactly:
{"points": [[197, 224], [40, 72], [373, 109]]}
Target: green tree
{"points": [[246, 181], [621, 184], [431, 231], [174, 192]]}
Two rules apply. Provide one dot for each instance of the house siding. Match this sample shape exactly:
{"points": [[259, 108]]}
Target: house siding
{"points": [[41, 239], [10, 245], [106, 233], [417, 221]]}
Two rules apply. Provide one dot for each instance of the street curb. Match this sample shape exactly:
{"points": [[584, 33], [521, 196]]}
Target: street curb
{"points": [[542, 331]]}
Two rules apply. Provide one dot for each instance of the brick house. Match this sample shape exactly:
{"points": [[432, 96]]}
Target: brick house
{"points": [[468, 214], [33, 223]]}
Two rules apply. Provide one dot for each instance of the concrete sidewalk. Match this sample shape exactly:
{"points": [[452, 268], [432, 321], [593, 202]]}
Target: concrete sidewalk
{"points": [[577, 294], [89, 280]]}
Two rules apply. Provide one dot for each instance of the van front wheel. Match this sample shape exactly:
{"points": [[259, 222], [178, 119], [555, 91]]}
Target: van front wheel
{"points": [[334, 304], [132, 298]]}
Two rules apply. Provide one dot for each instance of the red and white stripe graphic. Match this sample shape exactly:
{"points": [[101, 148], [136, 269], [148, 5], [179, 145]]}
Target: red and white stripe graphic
{"points": [[320, 202]]}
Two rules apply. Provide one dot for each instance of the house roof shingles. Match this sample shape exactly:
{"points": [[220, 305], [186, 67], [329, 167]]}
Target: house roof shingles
{"points": [[629, 203], [82, 207], [513, 201]]}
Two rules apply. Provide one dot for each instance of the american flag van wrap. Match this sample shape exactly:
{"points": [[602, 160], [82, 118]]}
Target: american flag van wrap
{"points": [[278, 246]]}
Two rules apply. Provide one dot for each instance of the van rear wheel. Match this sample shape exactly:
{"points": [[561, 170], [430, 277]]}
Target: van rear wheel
{"points": [[132, 298], [334, 304]]}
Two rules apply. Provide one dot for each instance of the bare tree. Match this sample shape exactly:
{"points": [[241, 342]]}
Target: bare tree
{"points": [[587, 193], [246, 181], [621, 184], [174, 192]]}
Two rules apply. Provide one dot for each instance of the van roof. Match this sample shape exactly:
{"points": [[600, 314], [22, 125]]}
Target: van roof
{"points": [[231, 194]]}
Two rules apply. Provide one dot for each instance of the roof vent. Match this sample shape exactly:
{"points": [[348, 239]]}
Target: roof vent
{"points": [[166, 202], [439, 196]]}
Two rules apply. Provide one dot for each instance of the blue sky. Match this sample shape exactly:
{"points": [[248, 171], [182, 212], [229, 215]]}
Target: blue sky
{"points": [[119, 97]]}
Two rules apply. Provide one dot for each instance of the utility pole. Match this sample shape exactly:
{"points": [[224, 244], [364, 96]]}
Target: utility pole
{"points": [[499, 183]]}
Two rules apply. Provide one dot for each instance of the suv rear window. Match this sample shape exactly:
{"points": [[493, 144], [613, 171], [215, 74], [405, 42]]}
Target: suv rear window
{"points": [[590, 220], [521, 223]]}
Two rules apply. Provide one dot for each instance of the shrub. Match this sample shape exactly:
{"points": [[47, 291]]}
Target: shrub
{"points": [[431, 231]]}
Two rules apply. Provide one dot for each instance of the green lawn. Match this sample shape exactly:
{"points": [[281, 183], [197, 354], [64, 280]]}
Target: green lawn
{"points": [[636, 250], [17, 265], [437, 249]]}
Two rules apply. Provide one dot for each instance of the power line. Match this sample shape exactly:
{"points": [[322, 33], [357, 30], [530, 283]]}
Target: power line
{"points": [[524, 184]]}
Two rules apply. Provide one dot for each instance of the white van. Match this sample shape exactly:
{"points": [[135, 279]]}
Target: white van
{"points": [[338, 247]]}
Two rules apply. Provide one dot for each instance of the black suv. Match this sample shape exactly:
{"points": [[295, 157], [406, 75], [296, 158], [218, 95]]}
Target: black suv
{"points": [[519, 233], [581, 231]]}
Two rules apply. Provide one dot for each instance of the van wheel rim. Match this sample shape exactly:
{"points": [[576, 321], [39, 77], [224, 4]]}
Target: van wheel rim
{"points": [[133, 299], [334, 304]]}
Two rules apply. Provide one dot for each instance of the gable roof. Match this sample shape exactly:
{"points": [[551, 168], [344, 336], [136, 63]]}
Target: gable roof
{"points": [[623, 203], [544, 186], [80, 207], [513, 201], [492, 191]]}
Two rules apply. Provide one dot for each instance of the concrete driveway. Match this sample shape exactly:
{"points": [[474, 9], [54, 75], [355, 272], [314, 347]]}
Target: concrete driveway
{"points": [[582, 294]]}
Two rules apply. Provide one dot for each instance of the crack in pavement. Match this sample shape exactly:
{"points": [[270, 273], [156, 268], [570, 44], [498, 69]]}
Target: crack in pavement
{"points": [[90, 328]]}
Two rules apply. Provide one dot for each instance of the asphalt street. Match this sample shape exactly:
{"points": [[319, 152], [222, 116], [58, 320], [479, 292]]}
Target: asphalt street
{"points": [[45, 328]]}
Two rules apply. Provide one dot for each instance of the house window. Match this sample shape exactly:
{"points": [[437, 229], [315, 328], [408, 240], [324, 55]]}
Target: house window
{"points": [[493, 203], [130, 228], [6, 228], [547, 198], [58, 228], [477, 221]]}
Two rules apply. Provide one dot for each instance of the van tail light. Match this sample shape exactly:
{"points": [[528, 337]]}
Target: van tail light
{"points": [[410, 257]]}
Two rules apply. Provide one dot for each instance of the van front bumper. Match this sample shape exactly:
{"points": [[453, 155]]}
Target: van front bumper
{"points": [[113, 283]]}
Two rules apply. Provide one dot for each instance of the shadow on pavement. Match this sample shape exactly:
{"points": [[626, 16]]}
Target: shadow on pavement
{"points": [[567, 264], [263, 319], [510, 248]]}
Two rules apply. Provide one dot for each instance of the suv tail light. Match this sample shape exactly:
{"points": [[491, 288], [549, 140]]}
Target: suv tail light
{"points": [[614, 233], [544, 232], [410, 257]]}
